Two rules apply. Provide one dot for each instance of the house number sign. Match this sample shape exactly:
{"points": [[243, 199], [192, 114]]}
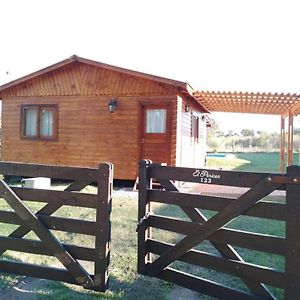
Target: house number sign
{"points": [[205, 176]]}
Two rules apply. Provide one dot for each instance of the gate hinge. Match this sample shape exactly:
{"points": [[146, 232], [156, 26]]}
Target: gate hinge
{"points": [[142, 220]]}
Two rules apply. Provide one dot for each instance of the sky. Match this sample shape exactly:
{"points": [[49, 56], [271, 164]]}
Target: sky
{"points": [[221, 45]]}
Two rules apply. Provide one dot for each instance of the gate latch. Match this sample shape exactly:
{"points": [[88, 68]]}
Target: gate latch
{"points": [[142, 220]]}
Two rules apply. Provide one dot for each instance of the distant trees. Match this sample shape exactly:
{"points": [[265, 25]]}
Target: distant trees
{"points": [[247, 132], [246, 140]]}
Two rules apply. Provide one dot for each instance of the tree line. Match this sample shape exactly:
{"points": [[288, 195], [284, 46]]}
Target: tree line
{"points": [[246, 140]]}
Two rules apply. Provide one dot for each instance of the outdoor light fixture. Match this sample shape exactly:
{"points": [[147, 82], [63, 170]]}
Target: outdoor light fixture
{"points": [[187, 108], [112, 105]]}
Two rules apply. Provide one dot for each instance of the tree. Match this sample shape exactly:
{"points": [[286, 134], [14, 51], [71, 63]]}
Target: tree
{"points": [[247, 132]]}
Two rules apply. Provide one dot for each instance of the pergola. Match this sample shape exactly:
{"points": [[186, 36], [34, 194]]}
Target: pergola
{"points": [[284, 105]]}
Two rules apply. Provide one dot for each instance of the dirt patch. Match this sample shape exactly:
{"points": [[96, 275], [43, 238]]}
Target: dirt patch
{"points": [[183, 294], [24, 290]]}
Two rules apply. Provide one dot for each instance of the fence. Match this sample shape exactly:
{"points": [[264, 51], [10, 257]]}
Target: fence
{"points": [[45, 226], [155, 256]]}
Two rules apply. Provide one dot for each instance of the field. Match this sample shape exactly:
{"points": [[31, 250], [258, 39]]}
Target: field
{"points": [[125, 282], [252, 161]]}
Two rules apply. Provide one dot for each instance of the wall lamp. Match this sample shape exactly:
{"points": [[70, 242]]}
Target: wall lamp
{"points": [[112, 105], [187, 108]]}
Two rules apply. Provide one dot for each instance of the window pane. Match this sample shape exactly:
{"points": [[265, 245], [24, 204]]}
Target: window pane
{"points": [[156, 120], [30, 121], [46, 122]]}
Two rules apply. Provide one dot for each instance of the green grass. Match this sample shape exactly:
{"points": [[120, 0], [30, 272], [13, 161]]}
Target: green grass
{"points": [[125, 283], [244, 223], [252, 161]]}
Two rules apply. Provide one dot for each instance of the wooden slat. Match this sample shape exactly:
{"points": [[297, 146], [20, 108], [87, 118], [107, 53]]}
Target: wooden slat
{"points": [[228, 266], [36, 271], [255, 241], [292, 261], [37, 247], [226, 250], [233, 210], [261, 103], [31, 221], [77, 186], [48, 209], [57, 172], [262, 209], [61, 197], [229, 178], [143, 209], [205, 286], [53, 223], [102, 236]]}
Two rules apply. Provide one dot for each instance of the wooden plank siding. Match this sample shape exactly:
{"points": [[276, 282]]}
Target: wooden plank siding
{"points": [[87, 133], [81, 79], [192, 152]]}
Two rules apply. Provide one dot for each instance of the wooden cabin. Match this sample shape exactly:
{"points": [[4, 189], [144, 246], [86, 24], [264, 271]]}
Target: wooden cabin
{"points": [[79, 112]]}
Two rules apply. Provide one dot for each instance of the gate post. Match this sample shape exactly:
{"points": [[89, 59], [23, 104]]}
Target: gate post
{"points": [[143, 209], [103, 226], [292, 259]]}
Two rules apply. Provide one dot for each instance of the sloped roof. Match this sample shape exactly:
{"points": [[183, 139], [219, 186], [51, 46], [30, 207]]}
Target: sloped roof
{"points": [[182, 87], [256, 103], [75, 58]]}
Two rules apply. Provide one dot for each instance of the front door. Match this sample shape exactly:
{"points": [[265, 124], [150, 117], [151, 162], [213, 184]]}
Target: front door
{"points": [[156, 133]]}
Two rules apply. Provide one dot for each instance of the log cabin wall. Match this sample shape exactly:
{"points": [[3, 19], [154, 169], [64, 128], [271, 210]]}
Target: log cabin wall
{"points": [[192, 152], [87, 133]]}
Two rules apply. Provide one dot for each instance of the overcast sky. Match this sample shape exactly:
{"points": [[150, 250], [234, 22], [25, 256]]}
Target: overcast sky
{"points": [[230, 45]]}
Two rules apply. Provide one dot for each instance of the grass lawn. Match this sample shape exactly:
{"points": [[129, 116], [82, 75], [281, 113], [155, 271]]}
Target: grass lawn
{"points": [[252, 161], [125, 282]]}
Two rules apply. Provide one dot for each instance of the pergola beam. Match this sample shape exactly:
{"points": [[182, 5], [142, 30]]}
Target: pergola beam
{"points": [[290, 139], [284, 105], [282, 144]]}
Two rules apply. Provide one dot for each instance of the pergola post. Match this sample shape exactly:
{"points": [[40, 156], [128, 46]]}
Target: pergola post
{"points": [[282, 144], [290, 139]]}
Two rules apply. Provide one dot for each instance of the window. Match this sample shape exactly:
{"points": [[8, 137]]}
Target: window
{"points": [[195, 128], [156, 120], [39, 121]]}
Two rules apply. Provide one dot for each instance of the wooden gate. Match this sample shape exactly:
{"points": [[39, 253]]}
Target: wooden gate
{"points": [[45, 226], [157, 257]]}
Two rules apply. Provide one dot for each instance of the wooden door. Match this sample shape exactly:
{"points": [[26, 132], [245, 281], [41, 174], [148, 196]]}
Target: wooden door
{"points": [[155, 137]]}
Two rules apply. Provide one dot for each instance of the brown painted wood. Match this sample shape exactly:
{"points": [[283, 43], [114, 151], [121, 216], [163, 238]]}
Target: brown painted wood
{"points": [[53, 223], [243, 203], [39, 107], [57, 172], [68, 254], [233, 267], [52, 196], [143, 209], [263, 209], [292, 261], [156, 146], [102, 236], [56, 248], [205, 286], [37, 247], [48, 209], [255, 241], [227, 251], [100, 132], [230, 178], [35, 271], [81, 86]]}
